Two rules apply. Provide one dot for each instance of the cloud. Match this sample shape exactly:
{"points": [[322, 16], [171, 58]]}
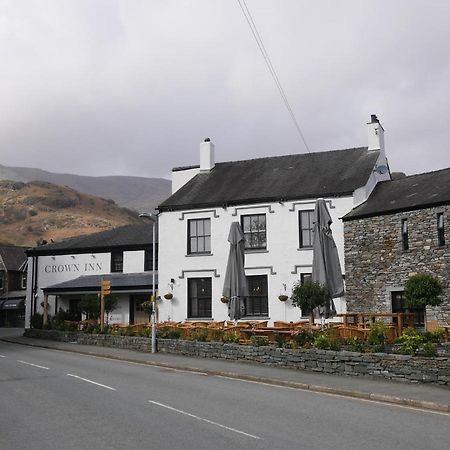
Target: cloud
{"points": [[132, 87]]}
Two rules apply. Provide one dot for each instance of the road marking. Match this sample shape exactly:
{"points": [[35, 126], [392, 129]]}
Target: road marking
{"points": [[34, 365], [2, 356], [90, 381], [204, 420]]}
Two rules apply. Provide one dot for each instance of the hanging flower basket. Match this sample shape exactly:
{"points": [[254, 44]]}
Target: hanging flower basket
{"points": [[224, 299], [168, 296], [282, 298]]}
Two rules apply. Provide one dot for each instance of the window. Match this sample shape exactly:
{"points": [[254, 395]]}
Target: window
{"points": [[440, 229], [1, 281], [399, 306], [304, 277], [117, 262], [199, 298], [254, 228], [148, 259], [306, 228], [199, 236], [405, 234], [23, 281], [256, 304]]}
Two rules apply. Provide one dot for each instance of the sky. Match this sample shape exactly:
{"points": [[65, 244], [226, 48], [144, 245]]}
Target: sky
{"points": [[111, 87]]}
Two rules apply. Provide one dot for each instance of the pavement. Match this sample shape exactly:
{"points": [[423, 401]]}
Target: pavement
{"points": [[422, 396]]}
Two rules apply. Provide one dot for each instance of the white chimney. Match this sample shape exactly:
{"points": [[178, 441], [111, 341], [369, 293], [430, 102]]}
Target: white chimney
{"points": [[375, 134], [206, 155]]}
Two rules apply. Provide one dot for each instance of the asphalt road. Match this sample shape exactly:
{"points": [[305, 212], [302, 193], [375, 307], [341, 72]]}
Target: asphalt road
{"points": [[56, 400]]}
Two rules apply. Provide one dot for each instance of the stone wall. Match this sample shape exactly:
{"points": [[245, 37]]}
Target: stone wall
{"points": [[392, 367], [376, 264]]}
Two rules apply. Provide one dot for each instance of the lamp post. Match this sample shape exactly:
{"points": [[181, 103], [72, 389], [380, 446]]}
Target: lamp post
{"points": [[152, 218]]}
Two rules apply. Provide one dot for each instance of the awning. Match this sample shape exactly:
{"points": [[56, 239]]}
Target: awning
{"points": [[120, 283], [12, 304]]}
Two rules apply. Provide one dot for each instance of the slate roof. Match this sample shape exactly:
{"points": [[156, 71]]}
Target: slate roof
{"points": [[130, 237], [119, 282], [405, 194], [311, 175], [12, 258]]}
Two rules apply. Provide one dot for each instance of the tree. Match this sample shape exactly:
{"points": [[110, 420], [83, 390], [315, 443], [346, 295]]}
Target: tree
{"points": [[423, 289], [90, 306], [147, 307], [309, 296]]}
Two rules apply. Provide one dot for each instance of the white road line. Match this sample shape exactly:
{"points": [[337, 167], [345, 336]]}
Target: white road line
{"points": [[34, 365], [2, 356], [204, 420], [90, 381]]}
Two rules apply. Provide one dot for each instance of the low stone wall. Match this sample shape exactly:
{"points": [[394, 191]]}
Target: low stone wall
{"points": [[381, 365]]}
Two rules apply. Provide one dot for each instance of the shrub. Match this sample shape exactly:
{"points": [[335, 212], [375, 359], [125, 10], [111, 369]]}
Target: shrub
{"points": [[279, 339], [217, 335], [410, 341], [33, 212], [357, 345], [422, 290], [303, 338], [436, 336], [324, 341], [167, 332], [199, 335], [377, 336], [259, 341], [231, 337], [428, 349]]}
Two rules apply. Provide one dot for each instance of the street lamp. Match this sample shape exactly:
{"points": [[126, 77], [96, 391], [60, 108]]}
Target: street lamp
{"points": [[152, 218]]}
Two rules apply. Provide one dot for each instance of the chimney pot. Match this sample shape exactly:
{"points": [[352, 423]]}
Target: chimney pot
{"points": [[374, 118], [207, 140]]}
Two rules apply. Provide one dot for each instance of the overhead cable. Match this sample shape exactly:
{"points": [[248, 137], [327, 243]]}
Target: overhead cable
{"points": [[259, 41]]}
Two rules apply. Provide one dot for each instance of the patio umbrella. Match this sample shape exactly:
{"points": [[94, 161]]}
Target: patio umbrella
{"points": [[326, 268], [235, 284]]}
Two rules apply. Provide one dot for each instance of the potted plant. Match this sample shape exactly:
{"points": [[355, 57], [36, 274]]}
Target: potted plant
{"points": [[224, 299], [168, 296], [147, 307], [282, 297]]}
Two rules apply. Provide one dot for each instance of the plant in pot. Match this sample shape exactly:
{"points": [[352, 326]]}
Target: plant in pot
{"points": [[147, 307], [422, 290], [168, 296], [283, 297], [224, 299], [310, 295]]}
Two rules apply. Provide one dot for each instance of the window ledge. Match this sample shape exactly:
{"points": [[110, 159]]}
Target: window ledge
{"points": [[199, 319], [303, 249], [261, 318], [256, 250], [190, 255]]}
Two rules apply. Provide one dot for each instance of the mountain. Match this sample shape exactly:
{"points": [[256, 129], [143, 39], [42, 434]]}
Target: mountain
{"points": [[39, 210], [137, 193]]}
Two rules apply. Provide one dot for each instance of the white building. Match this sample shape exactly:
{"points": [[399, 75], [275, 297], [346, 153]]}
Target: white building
{"points": [[273, 199], [69, 269]]}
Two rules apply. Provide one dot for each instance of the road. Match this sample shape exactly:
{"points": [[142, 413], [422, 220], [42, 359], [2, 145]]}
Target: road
{"points": [[56, 400]]}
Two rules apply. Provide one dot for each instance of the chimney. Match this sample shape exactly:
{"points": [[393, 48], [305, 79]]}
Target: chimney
{"points": [[206, 155], [375, 134]]}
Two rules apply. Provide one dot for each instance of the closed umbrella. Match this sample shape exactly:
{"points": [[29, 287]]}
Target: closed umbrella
{"points": [[235, 283], [326, 268]]}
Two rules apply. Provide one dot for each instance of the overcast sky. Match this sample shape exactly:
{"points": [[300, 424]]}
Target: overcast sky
{"points": [[110, 87]]}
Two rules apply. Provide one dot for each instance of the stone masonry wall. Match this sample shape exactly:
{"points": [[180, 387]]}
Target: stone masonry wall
{"points": [[392, 367], [376, 264]]}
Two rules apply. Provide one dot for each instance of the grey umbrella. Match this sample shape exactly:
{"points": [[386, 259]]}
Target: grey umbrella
{"points": [[326, 268], [235, 283]]}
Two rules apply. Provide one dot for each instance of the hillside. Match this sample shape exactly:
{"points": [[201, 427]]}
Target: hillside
{"points": [[41, 210], [138, 193]]}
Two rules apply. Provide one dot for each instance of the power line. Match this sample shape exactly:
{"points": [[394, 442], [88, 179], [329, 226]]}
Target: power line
{"points": [[259, 41]]}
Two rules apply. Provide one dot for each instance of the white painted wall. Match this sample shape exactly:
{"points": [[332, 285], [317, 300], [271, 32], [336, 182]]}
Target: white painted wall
{"points": [[181, 177], [282, 257], [59, 268]]}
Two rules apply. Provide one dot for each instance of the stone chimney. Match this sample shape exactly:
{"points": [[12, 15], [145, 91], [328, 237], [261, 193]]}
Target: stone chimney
{"points": [[206, 155], [375, 134]]}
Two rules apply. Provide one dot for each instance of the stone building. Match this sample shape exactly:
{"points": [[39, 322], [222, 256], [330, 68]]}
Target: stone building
{"points": [[402, 229]]}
